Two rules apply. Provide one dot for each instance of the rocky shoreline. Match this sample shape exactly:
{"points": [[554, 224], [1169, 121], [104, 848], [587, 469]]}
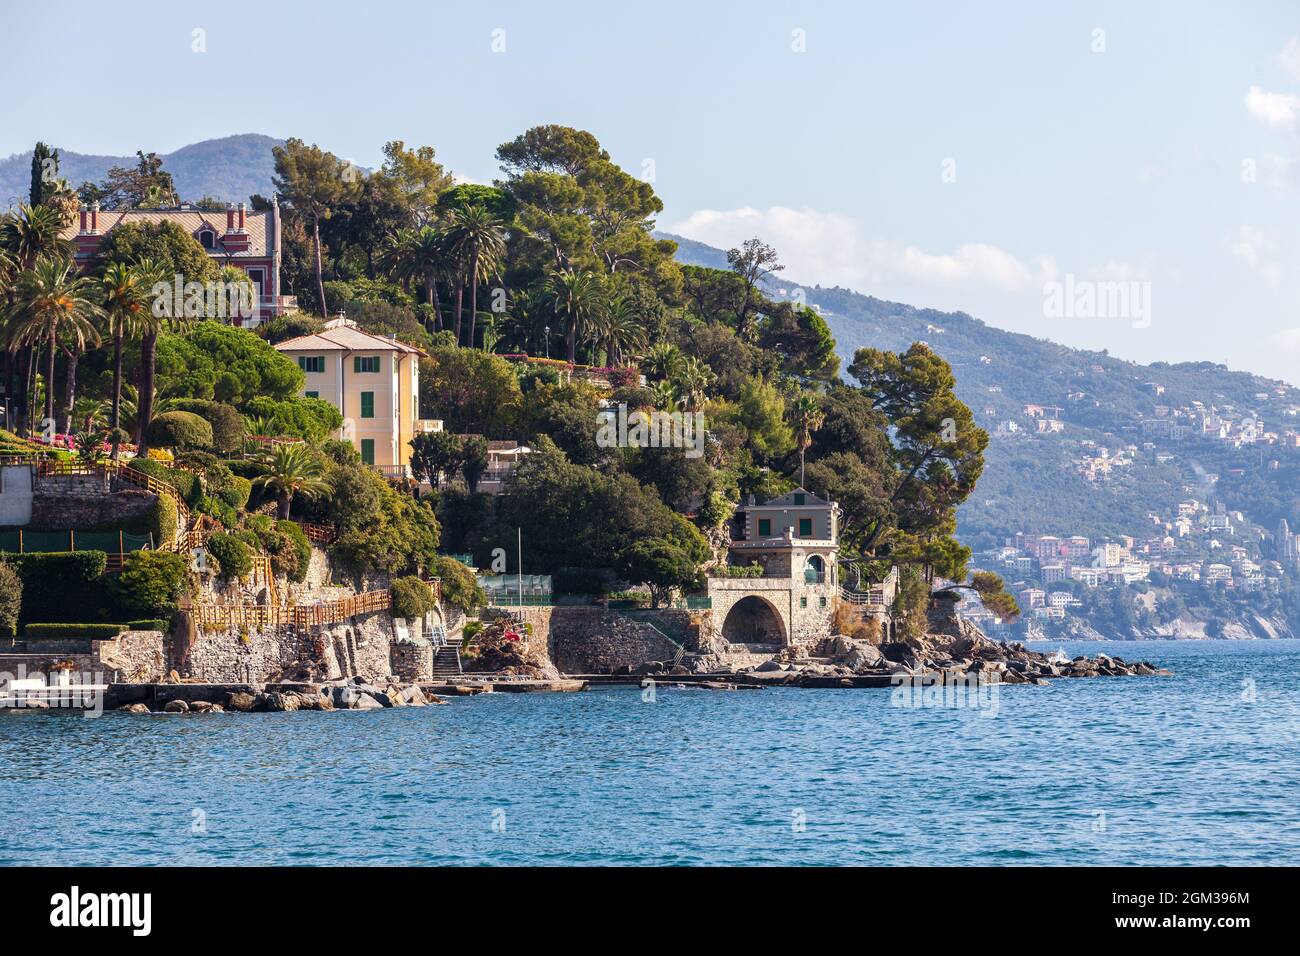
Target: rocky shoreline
{"points": [[951, 650]]}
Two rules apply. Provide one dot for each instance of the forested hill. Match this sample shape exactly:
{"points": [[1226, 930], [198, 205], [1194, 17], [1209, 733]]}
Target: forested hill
{"points": [[1033, 482], [230, 169]]}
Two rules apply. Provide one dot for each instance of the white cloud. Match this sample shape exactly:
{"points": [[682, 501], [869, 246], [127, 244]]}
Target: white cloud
{"points": [[1276, 110], [1253, 248], [1290, 57], [831, 248], [1289, 339]]}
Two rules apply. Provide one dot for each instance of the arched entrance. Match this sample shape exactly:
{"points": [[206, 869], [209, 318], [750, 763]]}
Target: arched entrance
{"points": [[815, 570], [753, 620]]}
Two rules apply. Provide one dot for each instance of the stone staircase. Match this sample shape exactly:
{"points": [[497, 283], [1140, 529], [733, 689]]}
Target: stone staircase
{"points": [[446, 654], [446, 661]]}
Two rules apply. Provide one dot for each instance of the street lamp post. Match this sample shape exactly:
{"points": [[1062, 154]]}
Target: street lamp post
{"points": [[548, 341]]}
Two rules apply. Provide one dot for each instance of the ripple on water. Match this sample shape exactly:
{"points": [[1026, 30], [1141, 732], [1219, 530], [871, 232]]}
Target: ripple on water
{"points": [[1179, 770]]}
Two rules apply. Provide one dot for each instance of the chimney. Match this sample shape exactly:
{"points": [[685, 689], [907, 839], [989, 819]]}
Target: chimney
{"points": [[230, 217], [83, 218], [94, 216], [242, 212]]}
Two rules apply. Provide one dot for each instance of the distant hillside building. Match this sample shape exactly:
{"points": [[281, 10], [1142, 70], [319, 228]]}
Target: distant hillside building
{"points": [[374, 380], [249, 241]]}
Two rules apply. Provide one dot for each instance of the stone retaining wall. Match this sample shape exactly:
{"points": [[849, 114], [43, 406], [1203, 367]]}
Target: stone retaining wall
{"points": [[591, 640], [358, 647]]}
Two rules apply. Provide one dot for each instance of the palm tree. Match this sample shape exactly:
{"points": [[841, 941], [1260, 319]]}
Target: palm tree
{"points": [[665, 393], [292, 469], [478, 239], [575, 299], [34, 231], [421, 254], [693, 381], [663, 361], [618, 329], [125, 298], [54, 300], [808, 417], [28, 234], [148, 325]]}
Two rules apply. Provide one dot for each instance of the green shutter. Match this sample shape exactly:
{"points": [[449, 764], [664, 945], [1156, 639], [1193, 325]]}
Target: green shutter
{"points": [[805, 527], [764, 527], [367, 451], [367, 404]]}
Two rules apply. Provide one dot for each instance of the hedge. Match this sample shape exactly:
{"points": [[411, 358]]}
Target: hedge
{"points": [[45, 631], [93, 631], [185, 482], [162, 520], [61, 585]]}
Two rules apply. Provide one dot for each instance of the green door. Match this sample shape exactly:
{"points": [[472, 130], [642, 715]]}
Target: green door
{"points": [[367, 451]]}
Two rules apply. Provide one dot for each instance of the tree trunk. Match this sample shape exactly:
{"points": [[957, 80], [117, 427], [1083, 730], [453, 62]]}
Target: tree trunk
{"points": [[473, 295], [9, 389], [49, 380], [70, 391], [571, 340], [437, 306], [460, 300], [25, 398], [144, 406], [320, 281], [115, 416], [286, 498]]}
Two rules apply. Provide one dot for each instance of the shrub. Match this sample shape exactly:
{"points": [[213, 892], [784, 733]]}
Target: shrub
{"points": [[235, 492], [11, 598], [412, 598], [161, 520], [233, 557], [180, 430], [151, 582], [148, 624], [218, 509], [186, 483], [226, 423], [460, 587], [300, 546]]}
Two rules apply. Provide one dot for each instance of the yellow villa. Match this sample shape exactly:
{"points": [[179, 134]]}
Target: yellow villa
{"points": [[374, 381]]}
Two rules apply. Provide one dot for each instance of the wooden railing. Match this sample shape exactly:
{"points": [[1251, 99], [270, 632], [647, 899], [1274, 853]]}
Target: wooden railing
{"points": [[320, 533], [257, 616]]}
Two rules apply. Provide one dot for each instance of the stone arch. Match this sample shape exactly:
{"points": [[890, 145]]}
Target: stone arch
{"points": [[754, 620], [814, 571]]}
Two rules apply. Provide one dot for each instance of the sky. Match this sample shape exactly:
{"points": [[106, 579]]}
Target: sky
{"points": [[1139, 162]]}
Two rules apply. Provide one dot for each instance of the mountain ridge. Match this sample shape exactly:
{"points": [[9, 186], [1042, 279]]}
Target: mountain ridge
{"points": [[227, 168]]}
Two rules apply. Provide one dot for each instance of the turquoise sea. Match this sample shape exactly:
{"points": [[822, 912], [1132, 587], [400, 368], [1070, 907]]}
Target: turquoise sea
{"points": [[1199, 768]]}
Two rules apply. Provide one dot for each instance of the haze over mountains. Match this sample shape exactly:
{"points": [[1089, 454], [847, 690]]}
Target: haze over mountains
{"points": [[230, 169]]}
